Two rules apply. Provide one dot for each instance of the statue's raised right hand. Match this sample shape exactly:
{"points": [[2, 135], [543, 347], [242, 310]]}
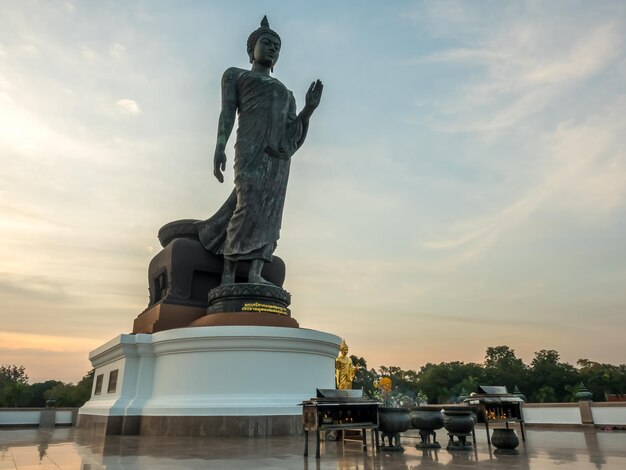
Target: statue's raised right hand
{"points": [[314, 94], [219, 164]]}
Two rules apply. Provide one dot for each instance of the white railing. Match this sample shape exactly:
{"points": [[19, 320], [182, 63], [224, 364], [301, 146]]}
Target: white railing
{"points": [[584, 412], [37, 416]]}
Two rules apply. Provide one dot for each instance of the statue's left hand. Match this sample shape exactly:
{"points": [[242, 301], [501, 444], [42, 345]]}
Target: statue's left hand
{"points": [[219, 164], [314, 95]]}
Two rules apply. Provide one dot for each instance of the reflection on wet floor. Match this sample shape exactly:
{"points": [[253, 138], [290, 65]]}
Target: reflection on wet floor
{"points": [[70, 448]]}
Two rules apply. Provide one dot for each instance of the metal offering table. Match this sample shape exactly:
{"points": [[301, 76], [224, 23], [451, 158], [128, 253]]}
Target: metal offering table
{"points": [[339, 410], [494, 404]]}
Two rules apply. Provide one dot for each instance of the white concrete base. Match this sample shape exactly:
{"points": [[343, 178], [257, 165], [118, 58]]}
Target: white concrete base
{"points": [[213, 371]]}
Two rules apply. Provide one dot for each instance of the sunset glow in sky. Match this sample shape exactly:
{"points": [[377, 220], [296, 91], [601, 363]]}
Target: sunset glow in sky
{"points": [[463, 183]]}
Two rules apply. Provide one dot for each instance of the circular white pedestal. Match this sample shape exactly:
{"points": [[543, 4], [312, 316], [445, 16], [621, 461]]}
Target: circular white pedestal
{"points": [[212, 371]]}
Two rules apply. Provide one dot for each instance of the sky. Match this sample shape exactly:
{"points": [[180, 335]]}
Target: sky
{"points": [[463, 182]]}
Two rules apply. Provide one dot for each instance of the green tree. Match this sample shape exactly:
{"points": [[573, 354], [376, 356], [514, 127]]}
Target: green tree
{"points": [[546, 379], [38, 390], [404, 381], [15, 394], [62, 394], [545, 394], [503, 367], [363, 378], [84, 387], [443, 382], [14, 389], [70, 394], [468, 385], [602, 379], [13, 373], [546, 370]]}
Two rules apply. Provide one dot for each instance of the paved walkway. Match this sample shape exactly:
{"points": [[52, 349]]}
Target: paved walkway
{"points": [[73, 449]]}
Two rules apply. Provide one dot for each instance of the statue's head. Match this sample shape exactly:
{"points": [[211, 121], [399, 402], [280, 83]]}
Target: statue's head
{"points": [[264, 45], [343, 348]]}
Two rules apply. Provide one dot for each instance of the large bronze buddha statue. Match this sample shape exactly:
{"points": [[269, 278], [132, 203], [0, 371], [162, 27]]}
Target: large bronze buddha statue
{"points": [[247, 226]]}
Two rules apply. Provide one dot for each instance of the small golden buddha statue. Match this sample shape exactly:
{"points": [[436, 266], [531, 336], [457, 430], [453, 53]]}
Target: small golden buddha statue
{"points": [[344, 369]]}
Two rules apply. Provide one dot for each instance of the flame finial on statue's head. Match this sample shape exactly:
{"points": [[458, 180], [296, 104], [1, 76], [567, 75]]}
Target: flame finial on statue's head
{"points": [[343, 345], [254, 36]]}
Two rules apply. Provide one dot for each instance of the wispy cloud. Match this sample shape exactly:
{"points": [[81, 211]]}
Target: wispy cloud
{"points": [[527, 76], [128, 107], [90, 56], [586, 175], [586, 57], [38, 288], [117, 51], [525, 67]]}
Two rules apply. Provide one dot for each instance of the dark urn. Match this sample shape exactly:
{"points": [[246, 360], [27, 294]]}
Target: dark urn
{"points": [[505, 440], [427, 420], [459, 422], [391, 422]]}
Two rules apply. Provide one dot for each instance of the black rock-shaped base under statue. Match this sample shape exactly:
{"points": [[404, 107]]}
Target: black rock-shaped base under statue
{"points": [[248, 297], [248, 304]]}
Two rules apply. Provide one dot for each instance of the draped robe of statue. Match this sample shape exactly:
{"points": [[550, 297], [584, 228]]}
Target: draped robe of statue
{"points": [[344, 372], [247, 226]]}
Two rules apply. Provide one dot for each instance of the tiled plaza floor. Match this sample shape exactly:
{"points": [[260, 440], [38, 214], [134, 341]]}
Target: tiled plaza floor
{"points": [[73, 449]]}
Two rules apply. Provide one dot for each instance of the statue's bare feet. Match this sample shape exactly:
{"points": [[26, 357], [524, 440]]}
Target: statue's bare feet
{"points": [[228, 275], [228, 278], [258, 279], [254, 276]]}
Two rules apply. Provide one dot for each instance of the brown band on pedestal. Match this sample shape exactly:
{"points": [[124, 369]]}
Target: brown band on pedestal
{"points": [[165, 316], [196, 426], [246, 318]]}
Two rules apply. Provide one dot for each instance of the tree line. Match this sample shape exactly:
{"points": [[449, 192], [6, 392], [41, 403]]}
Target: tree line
{"points": [[545, 380], [16, 391]]}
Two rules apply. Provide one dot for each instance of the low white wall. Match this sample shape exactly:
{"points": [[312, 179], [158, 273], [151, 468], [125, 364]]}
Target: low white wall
{"points": [[16, 417], [63, 417], [31, 416], [552, 413], [603, 414], [609, 414]]}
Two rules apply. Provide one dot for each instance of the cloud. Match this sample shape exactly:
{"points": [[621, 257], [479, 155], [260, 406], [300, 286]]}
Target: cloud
{"points": [[472, 237], [585, 174], [90, 56], [592, 52], [459, 55], [117, 51], [28, 50], [31, 287], [506, 116], [459, 241], [128, 107], [592, 162], [445, 18], [520, 69], [543, 99]]}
